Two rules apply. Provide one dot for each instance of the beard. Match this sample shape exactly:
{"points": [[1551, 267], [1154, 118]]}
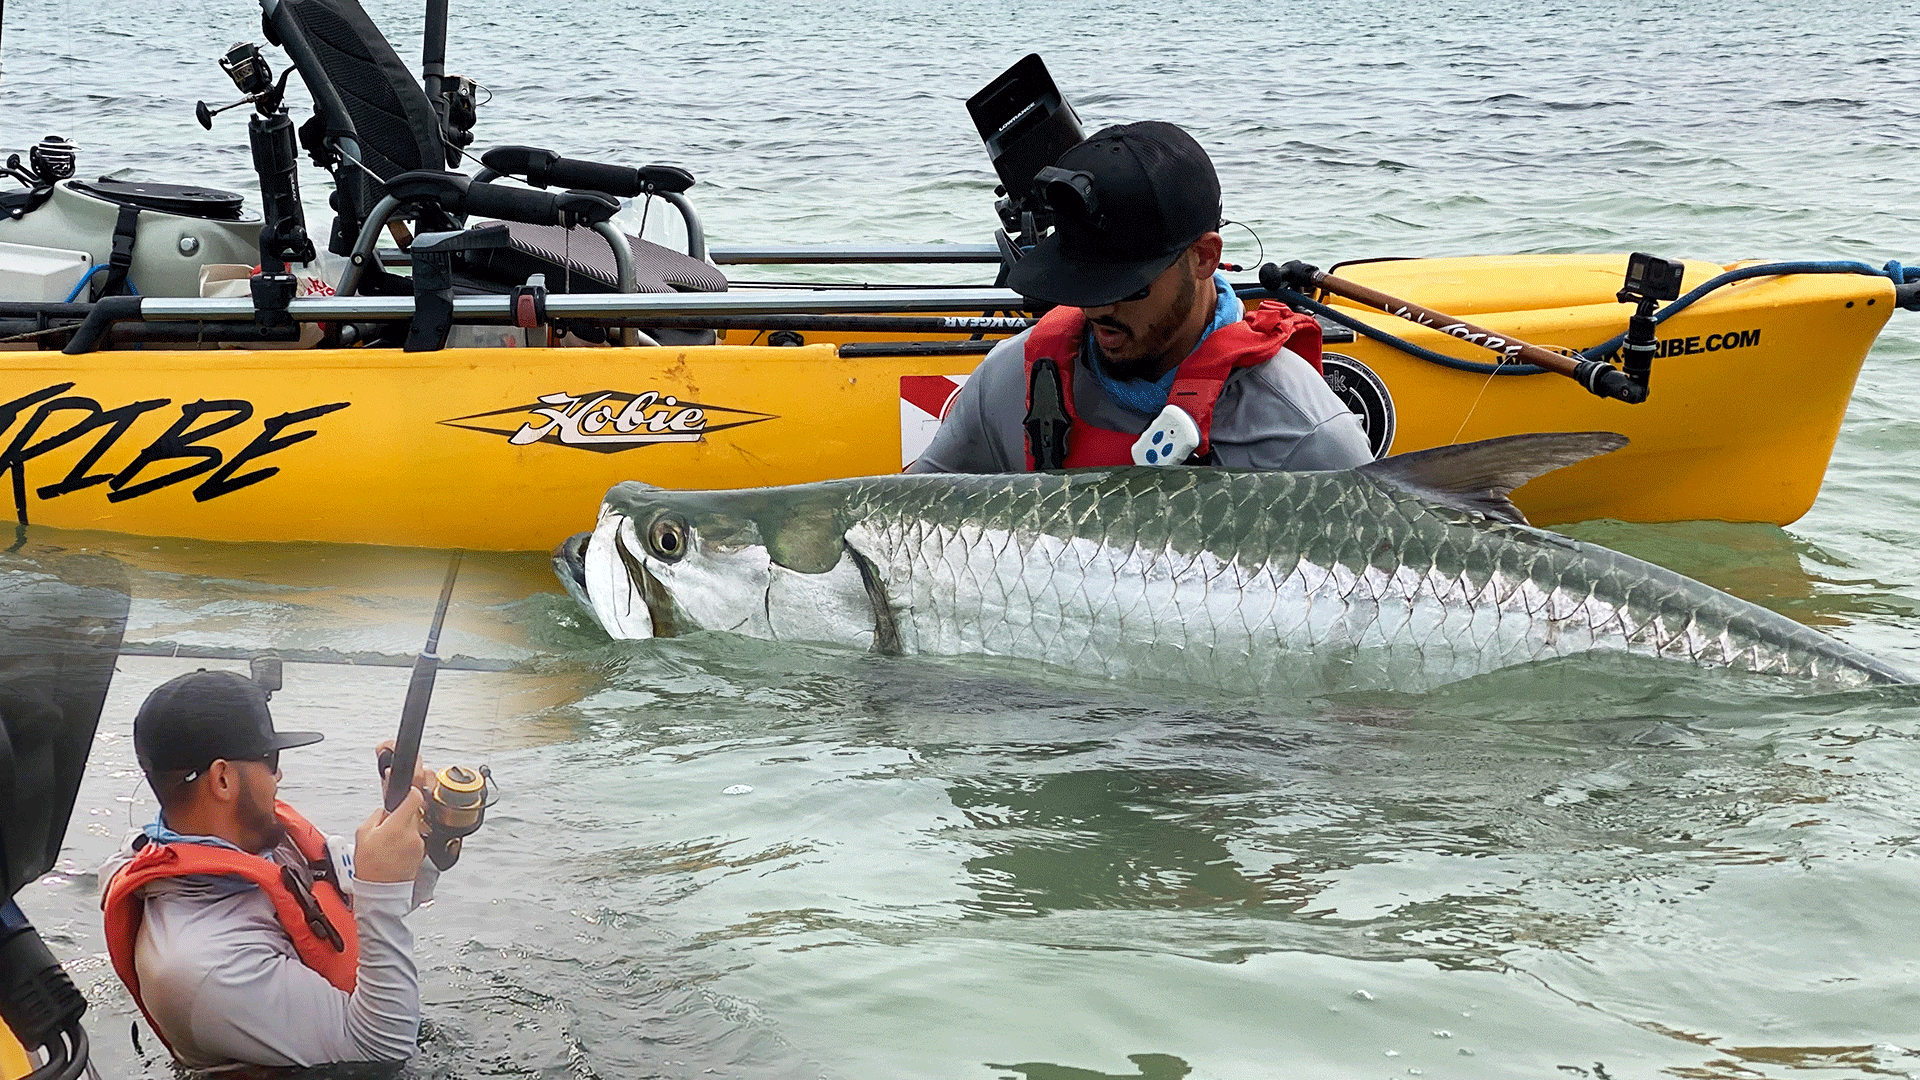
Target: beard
{"points": [[1155, 341], [257, 817]]}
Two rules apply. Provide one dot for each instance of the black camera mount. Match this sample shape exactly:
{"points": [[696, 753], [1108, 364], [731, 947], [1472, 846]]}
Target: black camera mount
{"points": [[1650, 279]]}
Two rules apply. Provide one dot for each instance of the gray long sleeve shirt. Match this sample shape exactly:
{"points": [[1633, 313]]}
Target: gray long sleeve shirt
{"points": [[1276, 415], [222, 980]]}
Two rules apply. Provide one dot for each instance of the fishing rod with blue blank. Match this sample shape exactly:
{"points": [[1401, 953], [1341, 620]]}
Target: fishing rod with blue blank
{"points": [[456, 805]]}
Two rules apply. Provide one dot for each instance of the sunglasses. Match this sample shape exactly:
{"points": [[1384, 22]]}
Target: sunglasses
{"points": [[271, 760]]}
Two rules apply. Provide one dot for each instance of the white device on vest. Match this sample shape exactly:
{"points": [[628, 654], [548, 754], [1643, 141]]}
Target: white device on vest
{"points": [[1169, 440]]}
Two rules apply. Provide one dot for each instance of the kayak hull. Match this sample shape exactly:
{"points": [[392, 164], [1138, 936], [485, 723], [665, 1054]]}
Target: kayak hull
{"points": [[511, 449]]}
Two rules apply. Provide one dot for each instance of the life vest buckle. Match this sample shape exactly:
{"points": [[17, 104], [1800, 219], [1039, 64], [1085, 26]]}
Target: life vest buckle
{"points": [[317, 920]]}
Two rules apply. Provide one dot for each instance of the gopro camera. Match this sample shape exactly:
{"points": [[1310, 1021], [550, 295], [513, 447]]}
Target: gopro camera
{"points": [[1652, 277]]}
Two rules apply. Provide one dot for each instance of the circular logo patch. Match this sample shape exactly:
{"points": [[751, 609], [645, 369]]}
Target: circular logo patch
{"points": [[1355, 384]]}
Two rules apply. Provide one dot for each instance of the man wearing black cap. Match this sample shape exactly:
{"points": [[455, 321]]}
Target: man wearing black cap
{"points": [[243, 934], [1149, 350]]}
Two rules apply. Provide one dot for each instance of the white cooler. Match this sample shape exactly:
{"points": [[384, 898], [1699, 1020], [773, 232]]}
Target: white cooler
{"points": [[41, 273]]}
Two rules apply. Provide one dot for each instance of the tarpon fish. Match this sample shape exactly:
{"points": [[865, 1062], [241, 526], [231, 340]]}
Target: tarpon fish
{"points": [[1404, 573]]}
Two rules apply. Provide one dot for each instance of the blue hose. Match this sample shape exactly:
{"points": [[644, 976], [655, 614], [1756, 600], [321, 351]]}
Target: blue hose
{"points": [[131, 291], [1899, 274], [84, 279]]}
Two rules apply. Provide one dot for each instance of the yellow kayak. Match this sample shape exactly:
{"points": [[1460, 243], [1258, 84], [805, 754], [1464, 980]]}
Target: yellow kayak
{"points": [[14, 1062], [511, 448]]}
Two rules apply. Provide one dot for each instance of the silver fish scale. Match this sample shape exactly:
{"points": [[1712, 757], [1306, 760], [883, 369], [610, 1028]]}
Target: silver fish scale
{"points": [[1283, 580]]}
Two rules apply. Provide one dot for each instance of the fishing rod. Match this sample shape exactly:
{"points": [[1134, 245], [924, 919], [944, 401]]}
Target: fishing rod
{"points": [[873, 324], [457, 805], [1599, 377]]}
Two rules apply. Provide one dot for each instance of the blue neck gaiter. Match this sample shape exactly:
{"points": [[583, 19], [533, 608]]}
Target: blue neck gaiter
{"points": [[1148, 398]]}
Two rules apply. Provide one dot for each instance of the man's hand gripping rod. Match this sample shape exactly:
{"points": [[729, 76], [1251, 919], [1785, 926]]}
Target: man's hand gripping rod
{"points": [[457, 805], [1599, 377]]}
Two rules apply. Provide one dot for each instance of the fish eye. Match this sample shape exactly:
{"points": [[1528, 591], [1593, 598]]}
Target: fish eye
{"points": [[667, 538]]}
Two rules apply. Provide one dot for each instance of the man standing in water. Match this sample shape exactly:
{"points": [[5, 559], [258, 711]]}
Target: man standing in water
{"points": [[243, 934], [1145, 319]]}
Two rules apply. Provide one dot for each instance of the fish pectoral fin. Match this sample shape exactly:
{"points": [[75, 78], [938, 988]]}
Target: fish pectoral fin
{"points": [[886, 629], [1479, 476], [805, 543]]}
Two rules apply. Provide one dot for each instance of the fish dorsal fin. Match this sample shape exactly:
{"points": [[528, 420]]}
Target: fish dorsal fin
{"points": [[1479, 476]]}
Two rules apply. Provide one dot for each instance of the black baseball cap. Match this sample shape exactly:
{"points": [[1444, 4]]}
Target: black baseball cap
{"points": [[188, 722], [1145, 192]]}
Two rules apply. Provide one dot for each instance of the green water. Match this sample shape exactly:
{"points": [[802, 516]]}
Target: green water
{"points": [[949, 869]]}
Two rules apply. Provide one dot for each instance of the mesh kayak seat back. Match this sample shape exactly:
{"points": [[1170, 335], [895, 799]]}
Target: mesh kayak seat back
{"points": [[365, 101], [368, 109], [576, 260]]}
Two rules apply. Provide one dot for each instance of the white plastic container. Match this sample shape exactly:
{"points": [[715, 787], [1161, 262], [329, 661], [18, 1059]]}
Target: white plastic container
{"points": [[41, 273]]}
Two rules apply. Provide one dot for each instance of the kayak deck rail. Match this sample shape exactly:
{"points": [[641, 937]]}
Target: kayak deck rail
{"points": [[499, 310]]}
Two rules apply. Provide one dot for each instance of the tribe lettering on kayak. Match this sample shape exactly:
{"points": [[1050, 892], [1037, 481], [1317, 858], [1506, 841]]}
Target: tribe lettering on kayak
{"points": [[1687, 346], [609, 421], [53, 419]]}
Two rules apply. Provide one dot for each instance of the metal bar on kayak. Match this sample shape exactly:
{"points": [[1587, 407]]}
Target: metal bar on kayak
{"points": [[869, 324], [600, 305], [1600, 378], [804, 254]]}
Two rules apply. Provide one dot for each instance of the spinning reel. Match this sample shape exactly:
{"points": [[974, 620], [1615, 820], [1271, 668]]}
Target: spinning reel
{"points": [[49, 161], [456, 807], [251, 74]]}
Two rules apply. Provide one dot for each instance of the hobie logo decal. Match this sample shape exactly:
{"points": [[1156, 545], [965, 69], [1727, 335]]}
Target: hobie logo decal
{"points": [[610, 421]]}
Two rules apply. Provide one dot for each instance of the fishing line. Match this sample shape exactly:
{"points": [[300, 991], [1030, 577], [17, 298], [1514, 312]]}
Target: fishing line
{"points": [[365, 168], [1475, 404], [133, 796], [1561, 349], [1262, 256]]}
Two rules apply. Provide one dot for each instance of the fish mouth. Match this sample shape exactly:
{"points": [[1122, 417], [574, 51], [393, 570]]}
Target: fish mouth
{"points": [[570, 566]]}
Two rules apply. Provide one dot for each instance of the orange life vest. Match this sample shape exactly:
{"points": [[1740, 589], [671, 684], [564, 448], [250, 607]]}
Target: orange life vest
{"points": [[318, 920], [1196, 384]]}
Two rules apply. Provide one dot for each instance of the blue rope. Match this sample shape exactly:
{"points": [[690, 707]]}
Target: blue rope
{"points": [[1899, 274], [88, 276]]}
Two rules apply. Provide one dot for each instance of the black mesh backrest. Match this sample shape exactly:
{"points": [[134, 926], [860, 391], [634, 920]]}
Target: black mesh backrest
{"points": [[360, 89]]}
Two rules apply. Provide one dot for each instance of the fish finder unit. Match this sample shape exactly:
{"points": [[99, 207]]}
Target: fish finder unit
{"points": [[1026, 125]]}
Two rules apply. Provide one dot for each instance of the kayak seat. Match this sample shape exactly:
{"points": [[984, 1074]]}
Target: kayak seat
{"points": [[366, 107], [376, 130], [578, 260]]}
